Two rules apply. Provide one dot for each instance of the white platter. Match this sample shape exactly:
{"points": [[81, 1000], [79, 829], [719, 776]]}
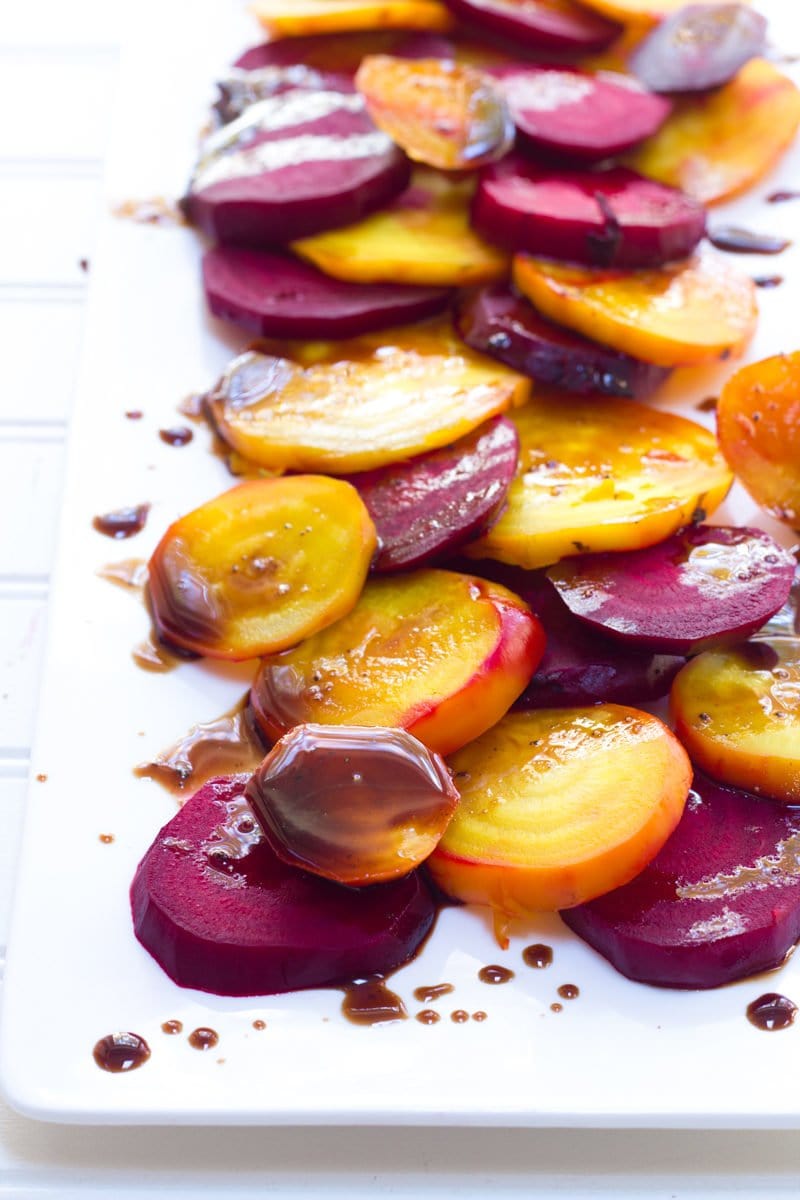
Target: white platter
{"points": [[620, 1055]]}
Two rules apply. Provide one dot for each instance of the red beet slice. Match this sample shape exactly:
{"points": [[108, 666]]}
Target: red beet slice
{"points": [[342, 52], [705, 586], [291, 165], [590, 117], [539, 24], [429, 505], [579, 666], [220, 912], [720, 901], [612, 218], [699, 47], [497, 322], [277, 296]]}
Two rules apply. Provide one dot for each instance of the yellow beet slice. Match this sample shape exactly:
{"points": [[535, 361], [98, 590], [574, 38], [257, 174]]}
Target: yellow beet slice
{"points": [[717, 145], [640, 11], [439, 654], [261, 566], [424, 237], [601, 474], [365, 402], [678, 315], [737, 712], [559, 806], [298, 18], [758, 425]]}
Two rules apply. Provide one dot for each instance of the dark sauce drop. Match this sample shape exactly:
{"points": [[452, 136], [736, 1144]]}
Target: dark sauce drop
{"points": [[708, 405], [568, 991], [178, 435], [259, 1024], [782, 197], [745, 241], [426, 994], [172, 1027], [129, 573], [480, 1015], [203, 1038], [771, 1012], [153, 655], [427, 1016], [459, 1016], [134, 414], [538, 955], [106, 838], [370, 1002], [229, 745], [495, 974], [556, 1007], [121, 1052], [123, 523], [768, 281]]}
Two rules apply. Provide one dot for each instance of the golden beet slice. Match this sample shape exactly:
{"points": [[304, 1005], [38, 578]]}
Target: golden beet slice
{"points": [[261, 566], [600, 474], [758, 425], [638, 12], [440, 654], [362, 403], [298, 18], [737, 712], [559, 806], [719, 144], [423, 237], [441, 113], [677, 315]]}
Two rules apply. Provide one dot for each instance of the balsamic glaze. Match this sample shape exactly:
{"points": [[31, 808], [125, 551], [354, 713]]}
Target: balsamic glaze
{"points": [[427, 1016], [426, 994], [568, 991], [134, 414], [259, 1024], [178, 435], [153, 655], [229, 745], [370, 1002], [203, 1038], [128, 573], [556, 1007], [123, 523], [708, 405], [106, 838], [782, 197], [771, 1012], [768, 281], [538, 955], [744, 241], [459, 1016], [121, 1052], [172, 1027], [495, 974], [480, 1015]]}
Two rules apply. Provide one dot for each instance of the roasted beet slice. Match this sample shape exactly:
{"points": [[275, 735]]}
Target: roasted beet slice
{"points": [[721, 900], [429, 505], [539, 24], [705, 586], [220, 912], [612, 218], [292, 165], [580, 666], [342, 53], [496, 321], [277, 296], [699, 47], [590, 117]]}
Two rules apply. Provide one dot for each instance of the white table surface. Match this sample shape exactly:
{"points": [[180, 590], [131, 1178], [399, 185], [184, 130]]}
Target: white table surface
{"points": [[58, 68]]}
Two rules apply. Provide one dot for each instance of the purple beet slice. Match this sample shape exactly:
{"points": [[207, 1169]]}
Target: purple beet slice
{"points": [[705, 586], [699, 47], [495, 321], [293, 164], [720, 901], [341, 53], [570, 113], [220, 912], [277, 296], [612, 218], [539, 24], [431, 505]]}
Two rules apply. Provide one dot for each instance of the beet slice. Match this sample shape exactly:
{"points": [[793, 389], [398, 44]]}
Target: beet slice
{"points": [[429, 505], [699, 47], [590, 117], [705, 586], [220, 912], [612, 218], [497, 322], [277, 296], [539, 24], [341, 53], [720, 901], [294, 164]]}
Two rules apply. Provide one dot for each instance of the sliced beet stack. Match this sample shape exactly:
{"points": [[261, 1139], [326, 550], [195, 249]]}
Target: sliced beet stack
{"points": [[720, 902], [495, 321], [294, 164], [220, 912], [431, 505], [276, 296], [573, 114], [539, 24], [612, 218], [705, 586]]}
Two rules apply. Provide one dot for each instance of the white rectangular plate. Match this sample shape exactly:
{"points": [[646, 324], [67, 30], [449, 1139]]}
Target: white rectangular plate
{"points": [[622, 1054]]}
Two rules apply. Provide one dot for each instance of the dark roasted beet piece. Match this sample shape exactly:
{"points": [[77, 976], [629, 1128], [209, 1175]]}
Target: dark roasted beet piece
{"points": [[590, 117], [427, 506], [612, 218], [703, 587], [292, 165], [219, 912], [580, 666], [539, 24], [496, 321], [342, 53], [721, 900], [699, 47], [277, 296]]}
